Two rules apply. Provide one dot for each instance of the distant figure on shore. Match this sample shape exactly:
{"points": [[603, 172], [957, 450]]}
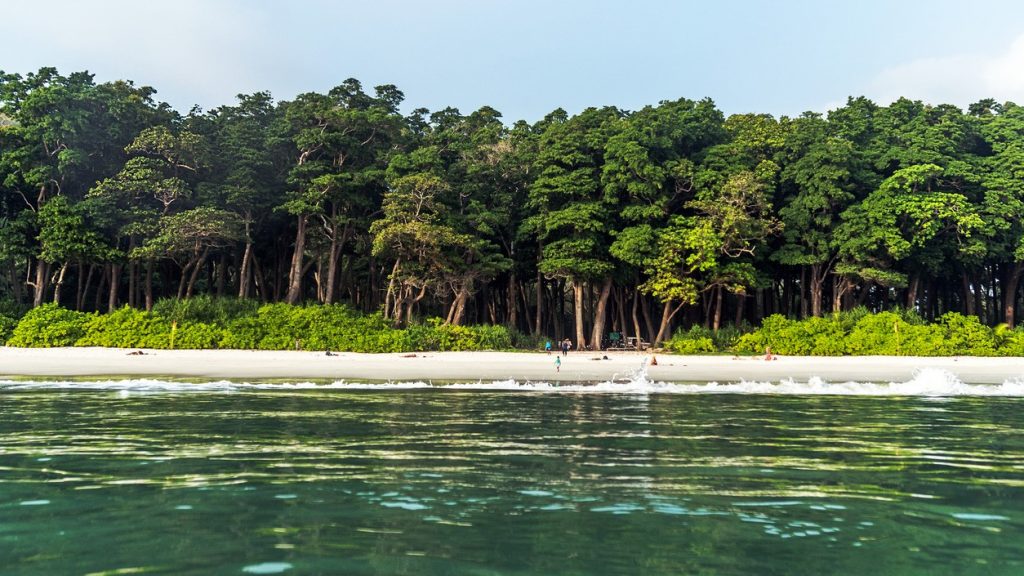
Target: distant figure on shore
{"points": [[558, 363], [566, 346], [547, 346], [768, 354]]}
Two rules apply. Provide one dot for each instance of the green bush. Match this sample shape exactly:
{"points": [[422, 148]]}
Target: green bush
{"points": [[205, 309], [690, 345], [967, 336], [885, 333], [696, 340], [126, 328], [1010, 342], [197, 336], [774, 329], [48, 326]]}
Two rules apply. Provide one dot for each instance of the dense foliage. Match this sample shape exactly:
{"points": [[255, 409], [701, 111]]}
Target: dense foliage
{"points": [[859, 333], [641, 222], [205, 323]]}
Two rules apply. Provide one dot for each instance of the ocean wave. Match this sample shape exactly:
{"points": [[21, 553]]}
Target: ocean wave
{"points": [[928, 382]]}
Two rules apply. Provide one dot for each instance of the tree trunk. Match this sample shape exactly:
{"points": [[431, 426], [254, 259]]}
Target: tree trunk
{"points": [[577, 288], [636, 320], [817, 279], [79, 293], [332, 268], [85, 286], [195, 273], [1010, 293], [149, 285], [512, 319], [259, 282], [59, 283], [391, 294], [717, 322], [458, 309], [839, 287], [538, 324], [601, 310], [646, 311], [620, 304], [412, 303], [115, 278], [39, 286], [530, 327], [183, 279], [296, 269], [244, 273], [912, 287]]}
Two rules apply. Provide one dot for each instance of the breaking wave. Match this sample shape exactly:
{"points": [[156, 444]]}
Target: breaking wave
{"points": [[928, 382]]}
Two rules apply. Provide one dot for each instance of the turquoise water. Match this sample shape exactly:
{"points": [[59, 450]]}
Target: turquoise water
{"points": [[167, 478]]}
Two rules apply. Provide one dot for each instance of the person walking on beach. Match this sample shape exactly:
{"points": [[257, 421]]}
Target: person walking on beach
{"points": [[547, 346], [558, 363]]}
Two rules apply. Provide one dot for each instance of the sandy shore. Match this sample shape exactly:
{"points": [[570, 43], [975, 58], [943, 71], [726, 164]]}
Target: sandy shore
{"points": [[486, 366]]}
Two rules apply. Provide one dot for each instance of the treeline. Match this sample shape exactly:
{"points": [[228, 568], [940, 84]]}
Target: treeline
{"points": [[636, 222]]}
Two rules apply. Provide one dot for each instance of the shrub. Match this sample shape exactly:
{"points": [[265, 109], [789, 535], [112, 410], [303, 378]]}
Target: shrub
{"points": [[774, 329], [197, 336], [49, 325], [696, 340], [883, 333], [966, 335], [690, 345], [1010, 342], [205, 309], [126, 328]]}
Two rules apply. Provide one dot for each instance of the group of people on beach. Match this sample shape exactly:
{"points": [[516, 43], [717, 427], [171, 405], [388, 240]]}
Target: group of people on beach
{"points": [[565, 345]]}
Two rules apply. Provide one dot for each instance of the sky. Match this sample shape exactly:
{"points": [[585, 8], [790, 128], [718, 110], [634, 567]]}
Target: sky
{"points": [[528, 57]]}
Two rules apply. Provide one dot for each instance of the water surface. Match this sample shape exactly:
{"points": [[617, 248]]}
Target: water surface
{"points": [[163, 478]]}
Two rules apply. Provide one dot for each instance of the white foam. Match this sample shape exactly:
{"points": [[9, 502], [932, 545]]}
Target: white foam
{"points": [[928, 382]]}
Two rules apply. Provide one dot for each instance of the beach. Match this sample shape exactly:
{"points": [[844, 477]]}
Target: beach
{"points": [[486, 366]]}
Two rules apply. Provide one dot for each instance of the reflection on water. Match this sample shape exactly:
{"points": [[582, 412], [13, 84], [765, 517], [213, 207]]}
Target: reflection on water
{"points": [[340, 481]]}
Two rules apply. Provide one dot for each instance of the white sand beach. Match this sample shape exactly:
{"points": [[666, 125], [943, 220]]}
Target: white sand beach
{"points": [[486, 366]]}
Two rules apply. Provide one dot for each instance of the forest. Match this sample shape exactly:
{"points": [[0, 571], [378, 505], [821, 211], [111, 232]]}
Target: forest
{"points": [[637, 222]]}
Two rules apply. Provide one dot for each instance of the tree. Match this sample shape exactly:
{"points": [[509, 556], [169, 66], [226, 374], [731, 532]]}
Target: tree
{"points": [[572, 214], [341, 140], [906, 221], [819, 186], [188, 238]]}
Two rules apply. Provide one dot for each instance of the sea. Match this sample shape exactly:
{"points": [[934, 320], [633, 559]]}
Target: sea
{"points": [[164, 476]]}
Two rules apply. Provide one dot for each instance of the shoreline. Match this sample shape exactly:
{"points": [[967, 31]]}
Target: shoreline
{"points": [[577, 367]]}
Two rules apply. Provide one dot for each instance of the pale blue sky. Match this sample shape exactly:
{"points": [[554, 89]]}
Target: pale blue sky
{"points": [[528, 57]]}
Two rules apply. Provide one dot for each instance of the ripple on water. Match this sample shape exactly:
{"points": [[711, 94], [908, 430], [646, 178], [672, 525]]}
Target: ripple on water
{"points": [[979, 517], [267, 568], [536, 493], [405, 505]]}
